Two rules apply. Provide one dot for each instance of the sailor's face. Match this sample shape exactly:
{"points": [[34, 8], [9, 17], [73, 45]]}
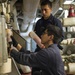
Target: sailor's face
{"points": [[45, 38], [46, 11]]}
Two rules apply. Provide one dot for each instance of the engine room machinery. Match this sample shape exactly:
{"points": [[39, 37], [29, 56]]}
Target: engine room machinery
{"points": [[20, 15]]}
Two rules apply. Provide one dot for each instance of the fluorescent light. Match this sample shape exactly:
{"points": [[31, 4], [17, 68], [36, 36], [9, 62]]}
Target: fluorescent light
{"points": [[60, 8], [68, 1]]}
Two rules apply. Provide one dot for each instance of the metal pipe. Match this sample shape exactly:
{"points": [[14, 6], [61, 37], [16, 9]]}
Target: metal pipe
{"points": [[29, 11]]}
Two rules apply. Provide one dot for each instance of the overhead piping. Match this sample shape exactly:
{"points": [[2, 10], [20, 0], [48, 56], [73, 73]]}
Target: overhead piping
{"points": [[29, 11]]}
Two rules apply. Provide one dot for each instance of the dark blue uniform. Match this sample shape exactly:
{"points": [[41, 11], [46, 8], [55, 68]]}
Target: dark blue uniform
{"points": [[48, 60], [42, 24]]}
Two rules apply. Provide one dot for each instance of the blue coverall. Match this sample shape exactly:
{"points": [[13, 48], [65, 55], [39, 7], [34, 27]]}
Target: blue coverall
{"points": [[48, 60]]}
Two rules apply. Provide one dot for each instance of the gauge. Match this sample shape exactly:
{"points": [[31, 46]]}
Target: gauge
{"points": [[68, 35]]}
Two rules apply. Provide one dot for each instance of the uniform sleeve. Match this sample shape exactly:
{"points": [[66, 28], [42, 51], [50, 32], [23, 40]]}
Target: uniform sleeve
{"points": [[59, 24], [32, 59], [36, 27], [24, 50]]}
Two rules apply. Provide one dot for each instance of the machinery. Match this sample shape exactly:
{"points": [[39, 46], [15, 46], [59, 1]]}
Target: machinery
{"points": [[21, 16]]}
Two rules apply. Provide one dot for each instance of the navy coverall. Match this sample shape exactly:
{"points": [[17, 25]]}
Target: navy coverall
{"points": [[48, 60], [42, 24]]}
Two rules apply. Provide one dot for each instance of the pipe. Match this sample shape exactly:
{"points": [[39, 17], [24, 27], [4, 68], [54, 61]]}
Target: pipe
{"points": [[25, 69], [15, 22], [29, 11], [12, 2], [70, 68], [34, 36], [69, 41], [6, 67]]}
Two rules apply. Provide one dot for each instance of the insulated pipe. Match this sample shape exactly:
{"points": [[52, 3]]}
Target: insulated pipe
{"points": [[25, 69], [68, 41], [70, 68], [12, 2], [26, 37], [29, 11], [36, 39], [6, 67], [15, 22]]}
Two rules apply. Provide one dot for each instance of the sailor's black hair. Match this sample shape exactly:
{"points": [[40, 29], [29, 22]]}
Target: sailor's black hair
{"points": [[46, 2], [56, 31]]}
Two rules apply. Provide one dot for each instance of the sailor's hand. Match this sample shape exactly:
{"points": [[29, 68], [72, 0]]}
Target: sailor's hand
{"points": [[13, 48]]}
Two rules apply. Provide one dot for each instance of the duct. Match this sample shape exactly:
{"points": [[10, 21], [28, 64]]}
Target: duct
{"points": [[15, 22], [26, 37], [29, 11]]}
